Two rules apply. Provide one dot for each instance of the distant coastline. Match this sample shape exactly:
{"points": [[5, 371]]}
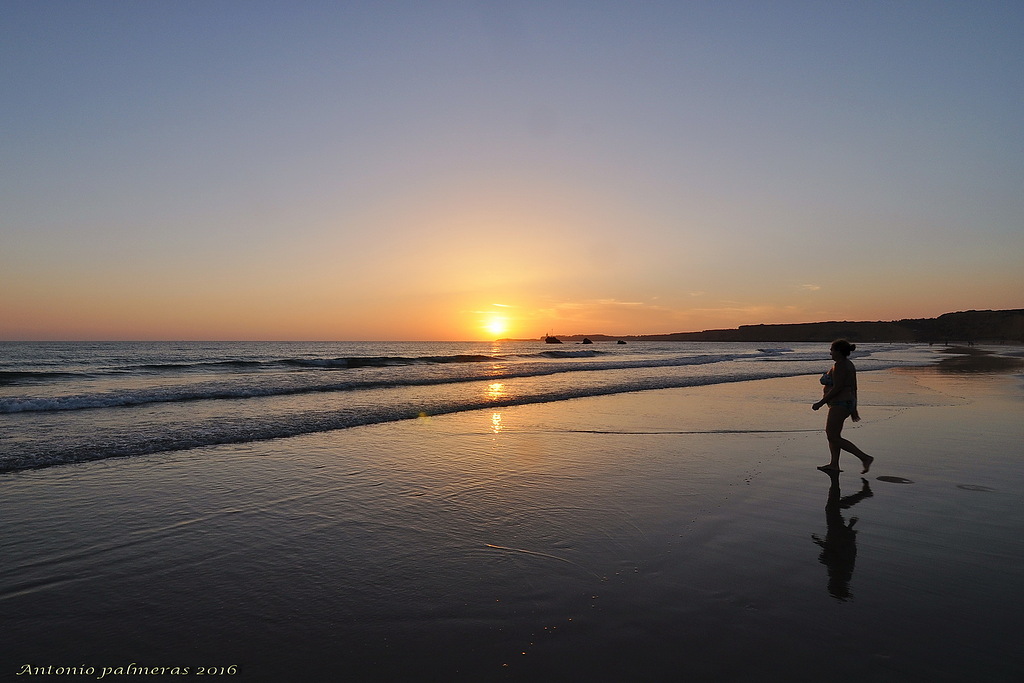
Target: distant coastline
{"points": [[962, 326]]}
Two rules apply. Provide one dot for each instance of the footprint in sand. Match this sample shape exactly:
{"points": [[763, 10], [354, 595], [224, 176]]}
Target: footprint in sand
{"points": [[974, 487], [895, 480]]}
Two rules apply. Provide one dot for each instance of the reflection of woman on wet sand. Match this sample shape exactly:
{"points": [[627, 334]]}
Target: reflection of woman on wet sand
{"points": [[841, 396], [839, 547]]}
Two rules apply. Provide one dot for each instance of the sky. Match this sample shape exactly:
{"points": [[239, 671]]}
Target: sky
{"points": [[434, 170]]}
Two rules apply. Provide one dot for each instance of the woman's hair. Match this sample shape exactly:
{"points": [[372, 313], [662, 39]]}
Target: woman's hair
{"points": [[844, 347]]}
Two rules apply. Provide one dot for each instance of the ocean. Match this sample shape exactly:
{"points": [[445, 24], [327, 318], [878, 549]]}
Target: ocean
{"points": [[596, 535], [68, 402]]}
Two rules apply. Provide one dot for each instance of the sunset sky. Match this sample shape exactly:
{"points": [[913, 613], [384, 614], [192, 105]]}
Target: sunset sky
{"points": [[468, 170]]}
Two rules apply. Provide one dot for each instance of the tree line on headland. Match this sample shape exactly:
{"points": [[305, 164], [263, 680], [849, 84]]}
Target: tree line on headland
{"points": [[963, 326]]}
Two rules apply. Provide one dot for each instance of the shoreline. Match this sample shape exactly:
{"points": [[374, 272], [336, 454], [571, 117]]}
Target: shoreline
{"points": [[978, 359], [647, 535]]}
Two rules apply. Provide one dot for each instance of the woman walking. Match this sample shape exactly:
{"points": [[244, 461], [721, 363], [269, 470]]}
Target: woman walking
{"points": [[840, 394]]}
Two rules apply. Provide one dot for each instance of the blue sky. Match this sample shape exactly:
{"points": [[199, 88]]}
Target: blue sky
{"points": [[335, 170]]}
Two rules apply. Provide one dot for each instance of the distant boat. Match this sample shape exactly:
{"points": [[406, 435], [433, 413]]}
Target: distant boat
{"points": [[549, 339], [620, 342]]}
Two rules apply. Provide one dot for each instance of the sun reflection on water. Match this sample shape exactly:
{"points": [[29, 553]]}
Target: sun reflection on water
{"points": [[496, 425], [497, 369], [496, 391]]}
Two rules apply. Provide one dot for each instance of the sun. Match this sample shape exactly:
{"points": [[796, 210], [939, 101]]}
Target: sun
{"points": [[496, 325]]}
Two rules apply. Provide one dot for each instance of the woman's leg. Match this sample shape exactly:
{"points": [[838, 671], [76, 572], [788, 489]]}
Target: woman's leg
{"points": [[833, 432], [836, 443], [864, 457]]}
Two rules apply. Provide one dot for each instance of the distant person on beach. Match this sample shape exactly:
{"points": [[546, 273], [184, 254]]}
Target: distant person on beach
{"points": [[840, 393]]}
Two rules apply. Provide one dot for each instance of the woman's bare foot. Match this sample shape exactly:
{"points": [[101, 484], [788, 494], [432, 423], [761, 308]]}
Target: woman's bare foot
{"points": [[867, 460], [830, 468]]}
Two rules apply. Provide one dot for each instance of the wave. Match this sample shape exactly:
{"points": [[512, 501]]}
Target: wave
{"points": [[565, 354], [14, 377], [11, 377], [386, 361], [217, 431], [342, 363], [184, 367], [221, 391], [225, 424]]}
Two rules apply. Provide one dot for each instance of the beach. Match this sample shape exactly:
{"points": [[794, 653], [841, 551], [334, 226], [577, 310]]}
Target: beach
{"points": [[670, 534]]}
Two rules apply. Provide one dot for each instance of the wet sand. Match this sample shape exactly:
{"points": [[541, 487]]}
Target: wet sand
{"points": [[682, 534]]}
